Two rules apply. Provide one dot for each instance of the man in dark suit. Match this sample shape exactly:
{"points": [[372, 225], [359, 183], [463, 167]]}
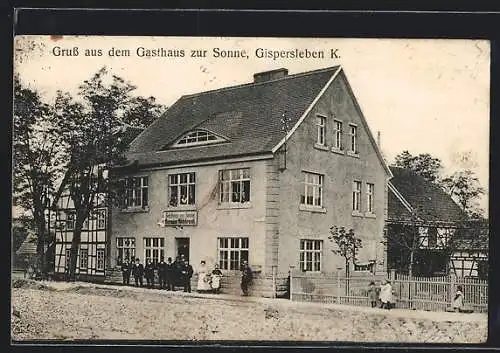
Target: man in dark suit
{"points": [[126, 272], [246, 277], [162, 274], [170, 274], [187, 273], [150, 273], [138, 272]]}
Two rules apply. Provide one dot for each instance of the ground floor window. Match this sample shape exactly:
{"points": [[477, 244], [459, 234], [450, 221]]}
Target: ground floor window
{"points": [[84, 259], [232, 252], [68, 258], [365, 267], [311, 254], [125, 249], [154, 249], [100, 259]]}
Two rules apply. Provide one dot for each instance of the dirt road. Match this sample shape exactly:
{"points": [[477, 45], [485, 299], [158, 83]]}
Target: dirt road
{"points": [[85, 311]]}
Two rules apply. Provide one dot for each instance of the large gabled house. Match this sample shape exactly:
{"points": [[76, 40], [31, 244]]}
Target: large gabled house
{"points": [[256, 172], [423, 217]]}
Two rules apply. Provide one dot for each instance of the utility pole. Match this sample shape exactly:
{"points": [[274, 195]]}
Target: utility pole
{"points": [[285, 127]]}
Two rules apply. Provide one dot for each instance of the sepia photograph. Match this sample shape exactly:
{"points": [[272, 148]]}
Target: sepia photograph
{"points": [[250, 189]]}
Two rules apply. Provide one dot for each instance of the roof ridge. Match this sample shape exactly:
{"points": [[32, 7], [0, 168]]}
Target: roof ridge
{"points": [[307, 73]]}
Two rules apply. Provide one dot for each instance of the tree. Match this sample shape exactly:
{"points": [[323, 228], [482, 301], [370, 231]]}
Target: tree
{"points": [[403, 239], [464, 187], [37, 159], [423, 164], [92, 129], [347, 244]]}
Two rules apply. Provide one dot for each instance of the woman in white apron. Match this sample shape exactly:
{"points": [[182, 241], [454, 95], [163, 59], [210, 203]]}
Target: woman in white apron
{"points": [[216, 279], [203, 278]]}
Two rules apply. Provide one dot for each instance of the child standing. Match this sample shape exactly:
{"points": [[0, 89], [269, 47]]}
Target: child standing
{"points": [[372, 294], [458, 301]]}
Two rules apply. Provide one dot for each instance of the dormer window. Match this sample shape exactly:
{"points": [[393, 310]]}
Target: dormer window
{"points": [[197, 137]]}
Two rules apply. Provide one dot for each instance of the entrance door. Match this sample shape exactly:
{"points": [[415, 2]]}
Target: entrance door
{"points": [[182, 245]]}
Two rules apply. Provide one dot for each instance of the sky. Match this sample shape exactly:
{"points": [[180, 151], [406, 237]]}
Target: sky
{"points": [[422, 95]]}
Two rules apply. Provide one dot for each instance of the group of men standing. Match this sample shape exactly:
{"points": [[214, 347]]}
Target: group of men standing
{"points": [[169, 273]]}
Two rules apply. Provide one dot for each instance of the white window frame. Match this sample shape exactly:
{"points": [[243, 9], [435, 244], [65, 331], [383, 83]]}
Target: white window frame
{"points": [[444, 235], [135, 193], [122, 248], [370, 197], [320, 130], [196, 138], [67, 257], [189, 185], [353, 133], [338, 132], [423, 237], [154, 249], [100, 259], [317, 189], [236, 179], [356, 196], [101, 218], [70, 219], [231, 251], [84, 259], [311, 255]]}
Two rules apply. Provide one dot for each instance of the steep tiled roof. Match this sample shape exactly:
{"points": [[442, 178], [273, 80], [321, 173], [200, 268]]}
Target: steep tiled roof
{"points": [[247, 115], [429, 201]]}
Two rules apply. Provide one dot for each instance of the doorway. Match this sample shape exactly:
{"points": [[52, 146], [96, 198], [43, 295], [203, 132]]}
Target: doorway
{"points": [[182, 246]]}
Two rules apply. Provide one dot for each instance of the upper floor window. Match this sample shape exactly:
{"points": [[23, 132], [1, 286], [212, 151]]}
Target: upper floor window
{"points": [[182, 189], [234, 185], [136, 189], [321, 130], [337, 127], [356, 196], [370, 190], [353, 138], [197, 137], [312, 194], [70, 220]]}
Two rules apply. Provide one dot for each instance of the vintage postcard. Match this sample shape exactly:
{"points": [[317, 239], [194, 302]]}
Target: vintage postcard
{"points": [[292, 189]]}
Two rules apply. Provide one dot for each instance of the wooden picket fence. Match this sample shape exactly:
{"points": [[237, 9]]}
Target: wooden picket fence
{"points": [[419, 293]]}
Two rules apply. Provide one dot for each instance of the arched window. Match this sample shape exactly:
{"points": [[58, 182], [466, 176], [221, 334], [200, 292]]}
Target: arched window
{"points": [[197, 137]]}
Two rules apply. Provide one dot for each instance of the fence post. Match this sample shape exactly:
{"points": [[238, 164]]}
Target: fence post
{"points": [[274, 281], [410, 288], [452, 288], [291, 280], [338, 284]]}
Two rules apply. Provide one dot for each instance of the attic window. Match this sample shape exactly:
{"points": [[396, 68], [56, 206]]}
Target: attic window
{"points": [[197, 137]]}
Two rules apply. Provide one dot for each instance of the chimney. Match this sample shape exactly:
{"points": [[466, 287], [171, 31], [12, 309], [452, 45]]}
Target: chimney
{"points": [[270, 75]]}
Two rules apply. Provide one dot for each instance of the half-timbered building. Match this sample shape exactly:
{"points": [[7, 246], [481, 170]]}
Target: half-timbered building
{"points": [[429, 232]]}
